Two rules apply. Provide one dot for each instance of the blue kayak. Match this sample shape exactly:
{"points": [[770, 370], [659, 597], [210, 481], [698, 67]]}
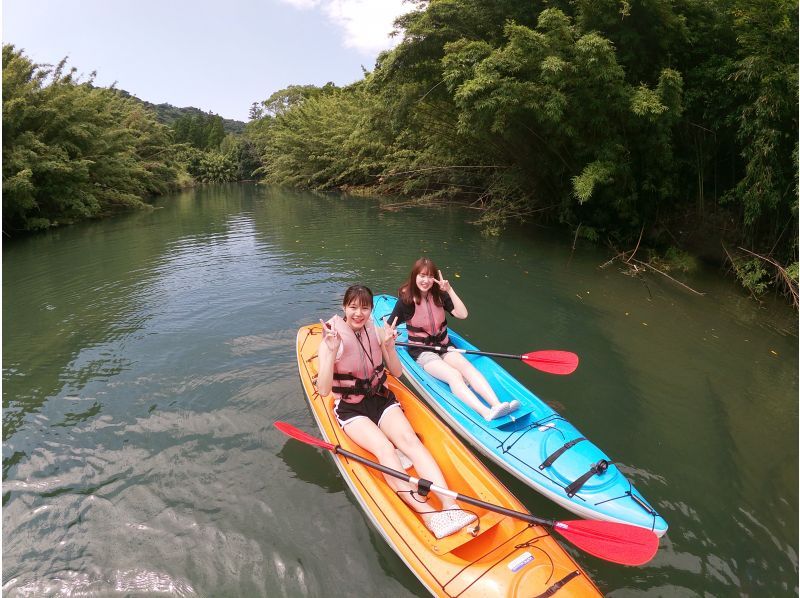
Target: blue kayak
{"points": [[534, 443]]}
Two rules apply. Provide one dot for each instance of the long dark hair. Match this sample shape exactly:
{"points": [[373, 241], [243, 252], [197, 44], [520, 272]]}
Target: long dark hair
{"points": [[409, 292], [358, 292]]}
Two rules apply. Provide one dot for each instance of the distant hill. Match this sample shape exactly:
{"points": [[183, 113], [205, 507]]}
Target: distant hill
{"points": [[168, 114]]}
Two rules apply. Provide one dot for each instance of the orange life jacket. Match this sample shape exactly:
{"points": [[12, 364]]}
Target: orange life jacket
{"points": [[358, 369], [428, 325]]}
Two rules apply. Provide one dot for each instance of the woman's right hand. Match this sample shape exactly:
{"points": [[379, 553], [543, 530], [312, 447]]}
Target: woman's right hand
{"points": [[444, 285], [389, 332], [330, 337]]}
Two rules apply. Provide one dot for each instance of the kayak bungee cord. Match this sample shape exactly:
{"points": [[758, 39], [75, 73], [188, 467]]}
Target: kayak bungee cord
{"points": [[629, 494]]}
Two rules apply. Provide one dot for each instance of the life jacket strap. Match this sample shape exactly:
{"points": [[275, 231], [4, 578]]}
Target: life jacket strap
{"points": [[362, 386], [428, 339], [377, 371]]}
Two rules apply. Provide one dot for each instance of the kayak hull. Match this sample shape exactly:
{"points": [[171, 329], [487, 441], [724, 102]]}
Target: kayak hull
{"points": [[535, 443], [505, 556]]}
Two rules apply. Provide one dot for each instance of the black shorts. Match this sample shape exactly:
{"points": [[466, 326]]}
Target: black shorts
{"points": [[372, 407], [415, 353]]}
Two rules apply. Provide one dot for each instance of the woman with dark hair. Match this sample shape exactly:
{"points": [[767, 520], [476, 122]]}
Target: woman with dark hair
{"points": [[422, 302], [353, 357]]}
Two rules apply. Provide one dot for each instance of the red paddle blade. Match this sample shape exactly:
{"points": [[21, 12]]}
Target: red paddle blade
{"points": [[290, 430], [615, 542], [553, 362]]}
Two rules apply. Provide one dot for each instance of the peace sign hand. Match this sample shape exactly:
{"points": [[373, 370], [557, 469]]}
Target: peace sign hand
{"points": [[444, 285], [389, 333], [330, 337]]}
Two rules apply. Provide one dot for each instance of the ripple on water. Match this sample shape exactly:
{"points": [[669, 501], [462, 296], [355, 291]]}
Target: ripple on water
{"points": [[119, 582]]}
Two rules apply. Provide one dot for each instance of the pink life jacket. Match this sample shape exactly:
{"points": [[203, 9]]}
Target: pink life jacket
{"points": [[358, 369], [428, 325]]}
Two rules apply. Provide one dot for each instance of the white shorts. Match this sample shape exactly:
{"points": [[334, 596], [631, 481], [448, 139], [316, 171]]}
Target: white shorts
{"points": [[427, 357]]}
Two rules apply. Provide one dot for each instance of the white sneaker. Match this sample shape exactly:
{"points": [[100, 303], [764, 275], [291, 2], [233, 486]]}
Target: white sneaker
{"points": [[499, 410], [446, 523], [514, 404], [462, 517], [442, 525]]}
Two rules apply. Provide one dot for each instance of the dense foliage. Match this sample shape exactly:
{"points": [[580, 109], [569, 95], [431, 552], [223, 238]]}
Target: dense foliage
{"points": [[72, 150], [202, 131], [676, 120], [167, 114]]}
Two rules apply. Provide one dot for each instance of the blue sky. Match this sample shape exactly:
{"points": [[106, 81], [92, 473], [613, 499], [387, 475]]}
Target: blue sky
{"points": [[217, 56]]}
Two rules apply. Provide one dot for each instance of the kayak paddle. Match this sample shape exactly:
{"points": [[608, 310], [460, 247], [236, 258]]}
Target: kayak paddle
{"points": [[616, 542], [552, 362]]}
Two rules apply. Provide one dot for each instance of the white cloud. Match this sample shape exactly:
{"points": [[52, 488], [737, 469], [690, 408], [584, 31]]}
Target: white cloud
{"points": [[303, 4], [366, 24]]}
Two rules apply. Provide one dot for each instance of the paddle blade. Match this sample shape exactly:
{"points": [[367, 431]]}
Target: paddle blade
{"points": [[553, 362], [290, 430], [615, 542]]}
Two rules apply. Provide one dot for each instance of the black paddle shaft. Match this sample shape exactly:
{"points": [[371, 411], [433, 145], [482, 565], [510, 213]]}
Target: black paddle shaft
{"points": [[439, 349], [422, 483]]}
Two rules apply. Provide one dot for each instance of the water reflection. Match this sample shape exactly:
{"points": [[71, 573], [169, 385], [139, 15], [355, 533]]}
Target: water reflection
{"points": [[310, 465]]}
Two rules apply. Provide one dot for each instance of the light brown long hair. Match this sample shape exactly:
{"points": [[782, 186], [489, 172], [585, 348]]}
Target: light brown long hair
{"points": [[409, 292]]}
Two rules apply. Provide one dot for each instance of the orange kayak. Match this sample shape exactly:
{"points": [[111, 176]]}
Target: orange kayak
{"points": [[503, 557]]}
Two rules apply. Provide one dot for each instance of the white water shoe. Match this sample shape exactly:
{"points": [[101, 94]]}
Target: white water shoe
{"points": [[462, 517], [514, 404], [405, 462], [446, 523], [499, 410]]}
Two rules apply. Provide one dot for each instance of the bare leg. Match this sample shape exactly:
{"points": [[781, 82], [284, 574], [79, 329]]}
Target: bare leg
{"points": [[443, 371], [397, 429], [371, 438], [472, 375]]}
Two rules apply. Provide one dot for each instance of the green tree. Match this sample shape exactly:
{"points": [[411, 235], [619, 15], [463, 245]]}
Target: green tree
{"points": [[73, 151], [617, 118], [284, 100]]}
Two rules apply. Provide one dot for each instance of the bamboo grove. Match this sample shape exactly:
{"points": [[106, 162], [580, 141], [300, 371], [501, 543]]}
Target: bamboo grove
{"points": [[670, 124]]}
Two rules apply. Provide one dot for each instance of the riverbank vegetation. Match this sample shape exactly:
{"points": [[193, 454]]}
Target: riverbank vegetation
{"points": [[672, 121], [73, 151], [659, 128]]}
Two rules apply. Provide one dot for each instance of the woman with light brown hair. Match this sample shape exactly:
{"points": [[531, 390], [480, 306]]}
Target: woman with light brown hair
{"points": [[423, 302]]}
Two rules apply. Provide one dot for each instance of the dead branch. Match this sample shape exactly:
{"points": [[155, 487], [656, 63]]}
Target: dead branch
{"points": [[635, 249], [635, 269], [388, 174], [782, 274], [733, 266], [643, 264]]}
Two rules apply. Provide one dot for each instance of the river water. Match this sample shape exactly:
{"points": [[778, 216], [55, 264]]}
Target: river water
{"points": [[145, 359]]}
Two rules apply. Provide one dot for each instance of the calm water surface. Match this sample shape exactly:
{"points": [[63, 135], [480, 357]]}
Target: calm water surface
{"points": [[145, 359]]}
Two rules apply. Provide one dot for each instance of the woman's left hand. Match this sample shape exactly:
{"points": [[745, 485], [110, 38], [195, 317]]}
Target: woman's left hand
{"points": [[444, 285], [389, 333]]}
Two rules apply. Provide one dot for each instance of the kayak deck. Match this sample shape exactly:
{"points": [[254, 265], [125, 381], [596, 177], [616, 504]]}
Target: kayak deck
{"points": [[504, 557], [534, 443]]}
